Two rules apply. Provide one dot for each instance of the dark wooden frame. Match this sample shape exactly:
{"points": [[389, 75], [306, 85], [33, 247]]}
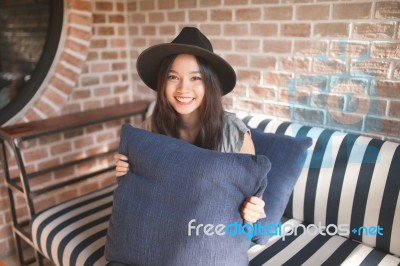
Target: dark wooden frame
{"points": [[14, 135]]}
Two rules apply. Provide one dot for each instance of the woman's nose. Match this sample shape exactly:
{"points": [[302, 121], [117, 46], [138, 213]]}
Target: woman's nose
{"points": [[183, 85]]}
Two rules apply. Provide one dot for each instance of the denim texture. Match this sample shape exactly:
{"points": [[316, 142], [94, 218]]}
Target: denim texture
{"points": [[171, 182], [287, 156]]}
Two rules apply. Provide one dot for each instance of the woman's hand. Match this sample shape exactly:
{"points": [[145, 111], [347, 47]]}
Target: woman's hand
{"points": [[121, 164], [253, 209]]}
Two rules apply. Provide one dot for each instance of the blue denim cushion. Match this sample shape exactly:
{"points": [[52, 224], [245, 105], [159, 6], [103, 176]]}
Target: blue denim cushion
{"points": [[171, 183], [287, 155]]}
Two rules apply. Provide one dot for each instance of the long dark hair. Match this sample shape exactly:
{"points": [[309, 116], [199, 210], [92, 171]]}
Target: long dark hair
{"points": [[165, 120]]}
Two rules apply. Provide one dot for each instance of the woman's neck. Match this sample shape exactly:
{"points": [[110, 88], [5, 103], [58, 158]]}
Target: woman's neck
{"points": [[189, 126]]}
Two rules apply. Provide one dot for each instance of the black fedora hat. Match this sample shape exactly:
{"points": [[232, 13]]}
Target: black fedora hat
{"points": [[189, 41]]}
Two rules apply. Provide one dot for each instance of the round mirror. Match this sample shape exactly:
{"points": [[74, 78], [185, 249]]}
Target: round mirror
{"points": [[29, 35]]}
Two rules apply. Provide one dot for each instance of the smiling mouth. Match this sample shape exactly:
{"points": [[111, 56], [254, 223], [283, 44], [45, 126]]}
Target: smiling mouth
{"points": [[184, 99]]}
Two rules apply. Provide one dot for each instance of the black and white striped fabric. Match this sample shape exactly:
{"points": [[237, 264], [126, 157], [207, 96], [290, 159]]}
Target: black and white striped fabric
{"points": [[347, 180], [74, 232]]}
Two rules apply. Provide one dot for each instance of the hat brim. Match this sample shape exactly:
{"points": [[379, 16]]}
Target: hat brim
{"points": [[149, 61]]}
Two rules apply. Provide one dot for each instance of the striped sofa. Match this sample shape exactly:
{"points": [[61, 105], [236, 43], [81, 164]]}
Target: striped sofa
{"points": [[344, 210]]}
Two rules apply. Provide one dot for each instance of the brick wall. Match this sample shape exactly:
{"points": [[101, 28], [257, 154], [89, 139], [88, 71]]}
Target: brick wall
{"points": [[329, 63], [334, 64]]}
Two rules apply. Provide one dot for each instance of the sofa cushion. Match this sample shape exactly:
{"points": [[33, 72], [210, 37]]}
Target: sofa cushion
{"points": [[173, 188], [74, 232], [303, 245], [347, 180], [287, 155]]}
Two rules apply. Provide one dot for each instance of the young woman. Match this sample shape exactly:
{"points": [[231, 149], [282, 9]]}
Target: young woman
{"points": [[190, 80]]}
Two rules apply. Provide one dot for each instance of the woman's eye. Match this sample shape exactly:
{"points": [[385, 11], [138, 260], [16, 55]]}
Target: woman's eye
{"points": [[173, 77], [196, 78]]}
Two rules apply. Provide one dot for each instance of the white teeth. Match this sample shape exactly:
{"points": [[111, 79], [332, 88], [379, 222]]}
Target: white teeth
{"points": [[184, 99]]}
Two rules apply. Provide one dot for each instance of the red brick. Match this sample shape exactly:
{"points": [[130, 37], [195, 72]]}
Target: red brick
{"points": [[120, 7], [313, 116], [352, 49], [118, 43], [263, 62], [386, 50], [383, 126], [248, 105], [176, 16], [162, 4], [235, 29], [372, 68], [68, 73], [222, 45], [264, 29], [394, 109], [81, 94], [248, 14], [99, 18], [221, 15], [209, 3], [247, 45], [109, 55], [396, 71], [333, 66], [80, 19], [250, 77], [312, 12], [104, 6], [36, 154], [276, 109], [197, 15], [235, 2], [119, 66], [167, 30], [331, 30], [116, 19], [138, 18], [387, 9], [294, 64], [277, 46], [156, 17], [77, 47], [236, 59], [98, 43], [278, 13], [110, 78], [266, 2], [262, 92], [374, 30], [186, 3], [388, 89], [54, 97], [146, 5], [72, 59], [90, 80], [105, 31], [277, 79], [148, 30], [79, 5], [296, 30], [211, 30], [100, 67], [351, 10], [310, 47]]}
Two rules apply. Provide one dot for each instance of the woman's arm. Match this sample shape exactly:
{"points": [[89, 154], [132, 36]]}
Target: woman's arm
{"points": [[253, 207]]}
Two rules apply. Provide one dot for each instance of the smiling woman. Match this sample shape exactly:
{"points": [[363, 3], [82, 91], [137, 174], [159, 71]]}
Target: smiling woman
{"points": [[29, 35]]}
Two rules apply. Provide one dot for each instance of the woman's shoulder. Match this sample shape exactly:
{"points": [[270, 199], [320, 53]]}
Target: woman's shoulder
{"points": [[234, 130], [231, 121]]}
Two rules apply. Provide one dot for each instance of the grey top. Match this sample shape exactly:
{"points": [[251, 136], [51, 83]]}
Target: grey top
{"points": [[233, 132]]}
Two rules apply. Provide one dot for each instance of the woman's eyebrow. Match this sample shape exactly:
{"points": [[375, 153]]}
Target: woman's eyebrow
{"points": [[192, 72]]}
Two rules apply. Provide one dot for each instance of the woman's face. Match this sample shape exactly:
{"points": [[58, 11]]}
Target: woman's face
{"points": [[185, 87]]}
